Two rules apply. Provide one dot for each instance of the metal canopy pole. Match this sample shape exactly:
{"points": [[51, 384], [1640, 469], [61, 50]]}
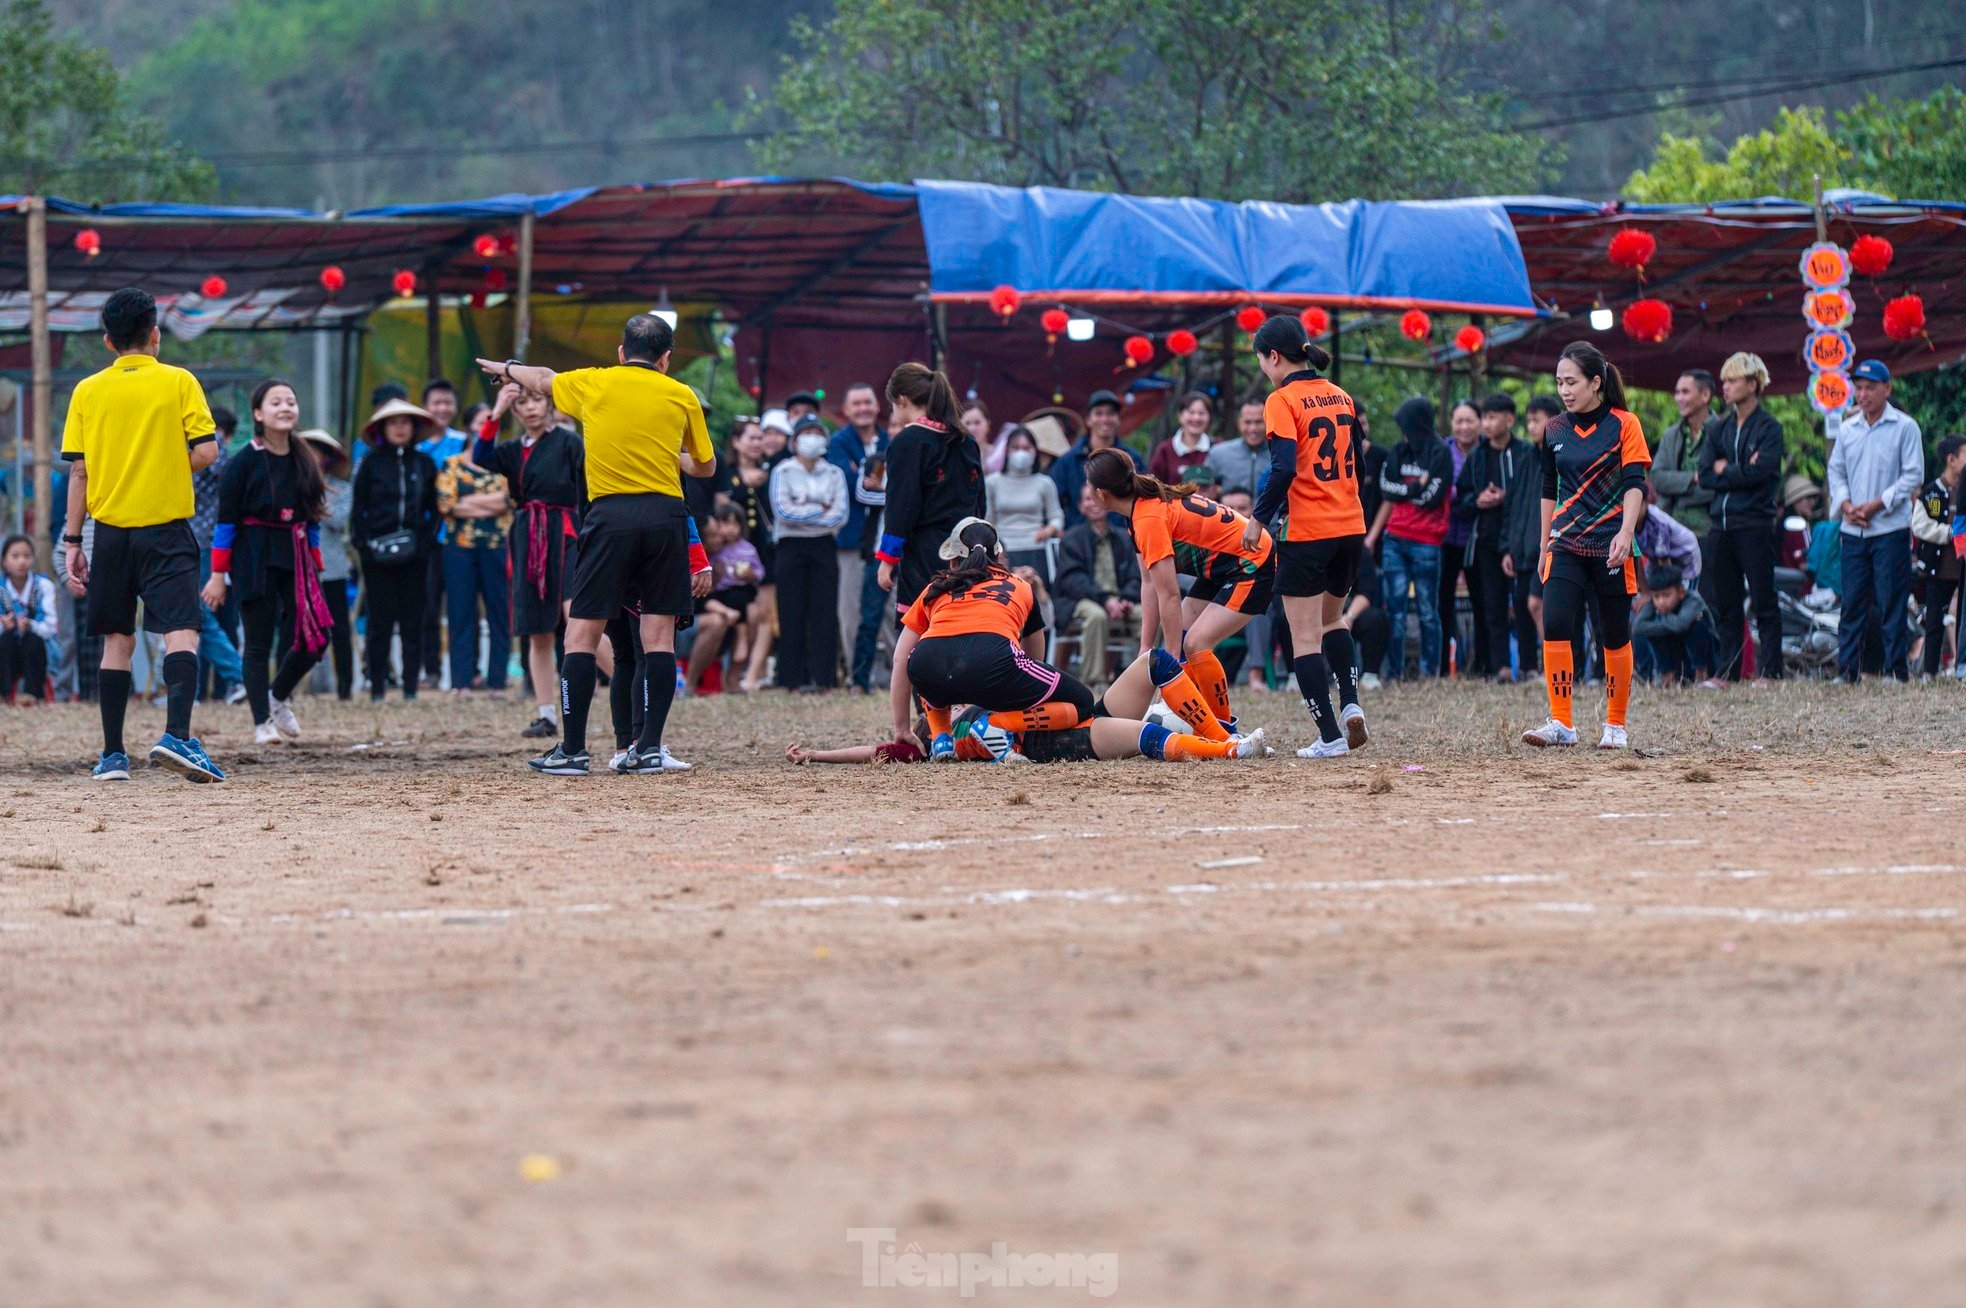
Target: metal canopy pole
{"points": [[42, 390], [433, 326]]}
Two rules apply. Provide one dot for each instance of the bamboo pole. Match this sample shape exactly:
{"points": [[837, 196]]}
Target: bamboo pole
{"points": [[522, 315], [42, 389]]}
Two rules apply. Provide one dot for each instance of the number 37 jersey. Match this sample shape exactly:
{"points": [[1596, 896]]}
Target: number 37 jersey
{"points": [[1320, 419]]}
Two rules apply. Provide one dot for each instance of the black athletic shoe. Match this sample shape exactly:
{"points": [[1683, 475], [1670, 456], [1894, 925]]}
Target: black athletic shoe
{"points": [[559, 763], [541, 729]]}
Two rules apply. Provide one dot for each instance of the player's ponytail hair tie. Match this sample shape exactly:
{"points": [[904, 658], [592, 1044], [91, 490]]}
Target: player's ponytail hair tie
{"points": [[1112, 471], [1284, 334], [972, 550]]}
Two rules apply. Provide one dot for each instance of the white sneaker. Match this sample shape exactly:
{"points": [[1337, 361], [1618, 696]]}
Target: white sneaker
{"points": [[1352, 719], [284, 720], [1370, 681], [619, 763], [1250, 746], [267, 734], [237, 695], [1550, 733], [1325, 749], [670, 763], [1614, 738]]}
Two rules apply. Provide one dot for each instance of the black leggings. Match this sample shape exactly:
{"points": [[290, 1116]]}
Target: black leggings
{"points": [[342, 638], [624, 705], [261, 617], [23, 664], [396, 597], [1572, 578]]}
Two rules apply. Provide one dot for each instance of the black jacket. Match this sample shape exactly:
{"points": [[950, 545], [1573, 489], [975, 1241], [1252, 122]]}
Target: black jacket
{"points": [[1748, 493], [395, 490], [934, 481], [258, 486], [1074, 580], [1522, 513], [1513, 468]]}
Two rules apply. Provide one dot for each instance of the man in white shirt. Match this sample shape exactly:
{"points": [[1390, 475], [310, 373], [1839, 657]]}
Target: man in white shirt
{"points": [[1875, 470]]}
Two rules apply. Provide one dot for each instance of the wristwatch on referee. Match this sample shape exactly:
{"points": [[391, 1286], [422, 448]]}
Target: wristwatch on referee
{"points": [[510, 364], [71, 540]]}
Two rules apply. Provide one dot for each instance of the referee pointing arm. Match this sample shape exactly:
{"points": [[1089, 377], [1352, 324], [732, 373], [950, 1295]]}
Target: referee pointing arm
{"points": [[136, 432], [643, 431]]}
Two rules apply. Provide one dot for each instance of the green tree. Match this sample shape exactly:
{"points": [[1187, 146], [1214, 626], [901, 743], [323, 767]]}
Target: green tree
{"points": [[1226, 100], [68, 128], [1781, 160], [1909, 149]]}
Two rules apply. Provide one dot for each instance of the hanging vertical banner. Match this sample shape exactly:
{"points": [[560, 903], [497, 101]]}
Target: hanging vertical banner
{"points": [[1828, 308]]}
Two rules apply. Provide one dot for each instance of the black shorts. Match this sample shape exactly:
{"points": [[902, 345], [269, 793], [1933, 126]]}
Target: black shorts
{"points": [[735, 597], [982, 669], [1074, 746], [158, 565], [1228, 580], [633, 551], [1319, 567]]}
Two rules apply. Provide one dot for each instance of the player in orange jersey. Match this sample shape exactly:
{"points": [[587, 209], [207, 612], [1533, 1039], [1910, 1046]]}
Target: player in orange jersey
{"points": [[1316, 452], [1594, 466], [1232, 561]]}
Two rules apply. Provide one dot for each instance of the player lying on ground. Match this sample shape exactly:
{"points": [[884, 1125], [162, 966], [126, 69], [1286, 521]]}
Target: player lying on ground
{"points": [[964, 642], [1103, 739]]}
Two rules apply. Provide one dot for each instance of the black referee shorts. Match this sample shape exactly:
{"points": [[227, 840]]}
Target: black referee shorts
{"points": [[633, 551], [157, 565]]}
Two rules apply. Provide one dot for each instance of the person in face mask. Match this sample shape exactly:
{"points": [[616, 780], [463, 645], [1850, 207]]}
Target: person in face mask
{"points": [[809, 502], [1023, 504]]}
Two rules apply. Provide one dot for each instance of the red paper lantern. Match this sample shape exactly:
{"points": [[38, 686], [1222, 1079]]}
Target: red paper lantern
{"points": [[333, 279], [495, 279], [1005, 300], [1871, 255], [486, 246], [1470, 338], [404, 282], [1139, 349], [1182, 342], [1415, 325], [1904, 318], [1055, 321], [1632, 248], [1648, 320], [1250, 317], [89, 242], [213, 288], [1316, 321]]}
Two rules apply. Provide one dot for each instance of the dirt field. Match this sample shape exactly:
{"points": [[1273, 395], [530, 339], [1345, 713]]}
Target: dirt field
{"points": [[1447, 1023]]}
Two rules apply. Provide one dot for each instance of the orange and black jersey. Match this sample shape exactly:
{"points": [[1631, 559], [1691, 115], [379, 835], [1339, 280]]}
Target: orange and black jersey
{"points": [[1000, 604], [1589, 461], [1315, 453], [1194, 532]]}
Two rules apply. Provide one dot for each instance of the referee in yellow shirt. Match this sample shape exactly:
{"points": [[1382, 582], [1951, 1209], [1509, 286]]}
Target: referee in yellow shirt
{"points": [[136, 432], [643, 430]]}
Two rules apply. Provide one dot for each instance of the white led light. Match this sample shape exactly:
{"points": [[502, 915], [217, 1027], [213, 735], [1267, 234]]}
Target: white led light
{"points": [[1080, 329], [1600, 319]]}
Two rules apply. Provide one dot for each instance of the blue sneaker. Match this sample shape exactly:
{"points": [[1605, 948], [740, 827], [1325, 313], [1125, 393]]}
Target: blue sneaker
{"points": [[942, 749], [112, 767], [187, 758]]}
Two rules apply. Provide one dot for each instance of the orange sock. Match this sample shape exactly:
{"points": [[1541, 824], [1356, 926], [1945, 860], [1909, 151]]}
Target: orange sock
{"points": [[1183, 747], [1185, 699], [940, 721], [1617, 684], [1213, 683], [1053, 715], [1557, 670]]}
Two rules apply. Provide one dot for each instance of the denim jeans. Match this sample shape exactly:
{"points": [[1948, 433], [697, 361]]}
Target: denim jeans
{"points": [[469, 575], [1405, 563], [875, 605], [1876, 588], [216, 652]]}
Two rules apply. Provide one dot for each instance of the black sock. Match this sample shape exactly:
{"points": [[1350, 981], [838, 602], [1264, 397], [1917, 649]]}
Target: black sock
{"points": [[113, 694], [1314, 680], [658, 693], [577, 673], [180, 688], [1339, 654]]}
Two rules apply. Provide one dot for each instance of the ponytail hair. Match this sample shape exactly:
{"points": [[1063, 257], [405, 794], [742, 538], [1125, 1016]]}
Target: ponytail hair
{"points": [[1284, 334], [929, 391], [978, 565], [1112, 471], [310, 487], [1591, 362]]}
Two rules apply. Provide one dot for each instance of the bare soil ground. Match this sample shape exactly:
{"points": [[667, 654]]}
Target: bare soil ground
{"points": [[1446, 1023]]}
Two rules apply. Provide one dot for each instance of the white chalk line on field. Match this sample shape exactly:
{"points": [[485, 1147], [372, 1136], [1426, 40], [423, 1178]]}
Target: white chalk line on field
{"points": [[1781, 916]]}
